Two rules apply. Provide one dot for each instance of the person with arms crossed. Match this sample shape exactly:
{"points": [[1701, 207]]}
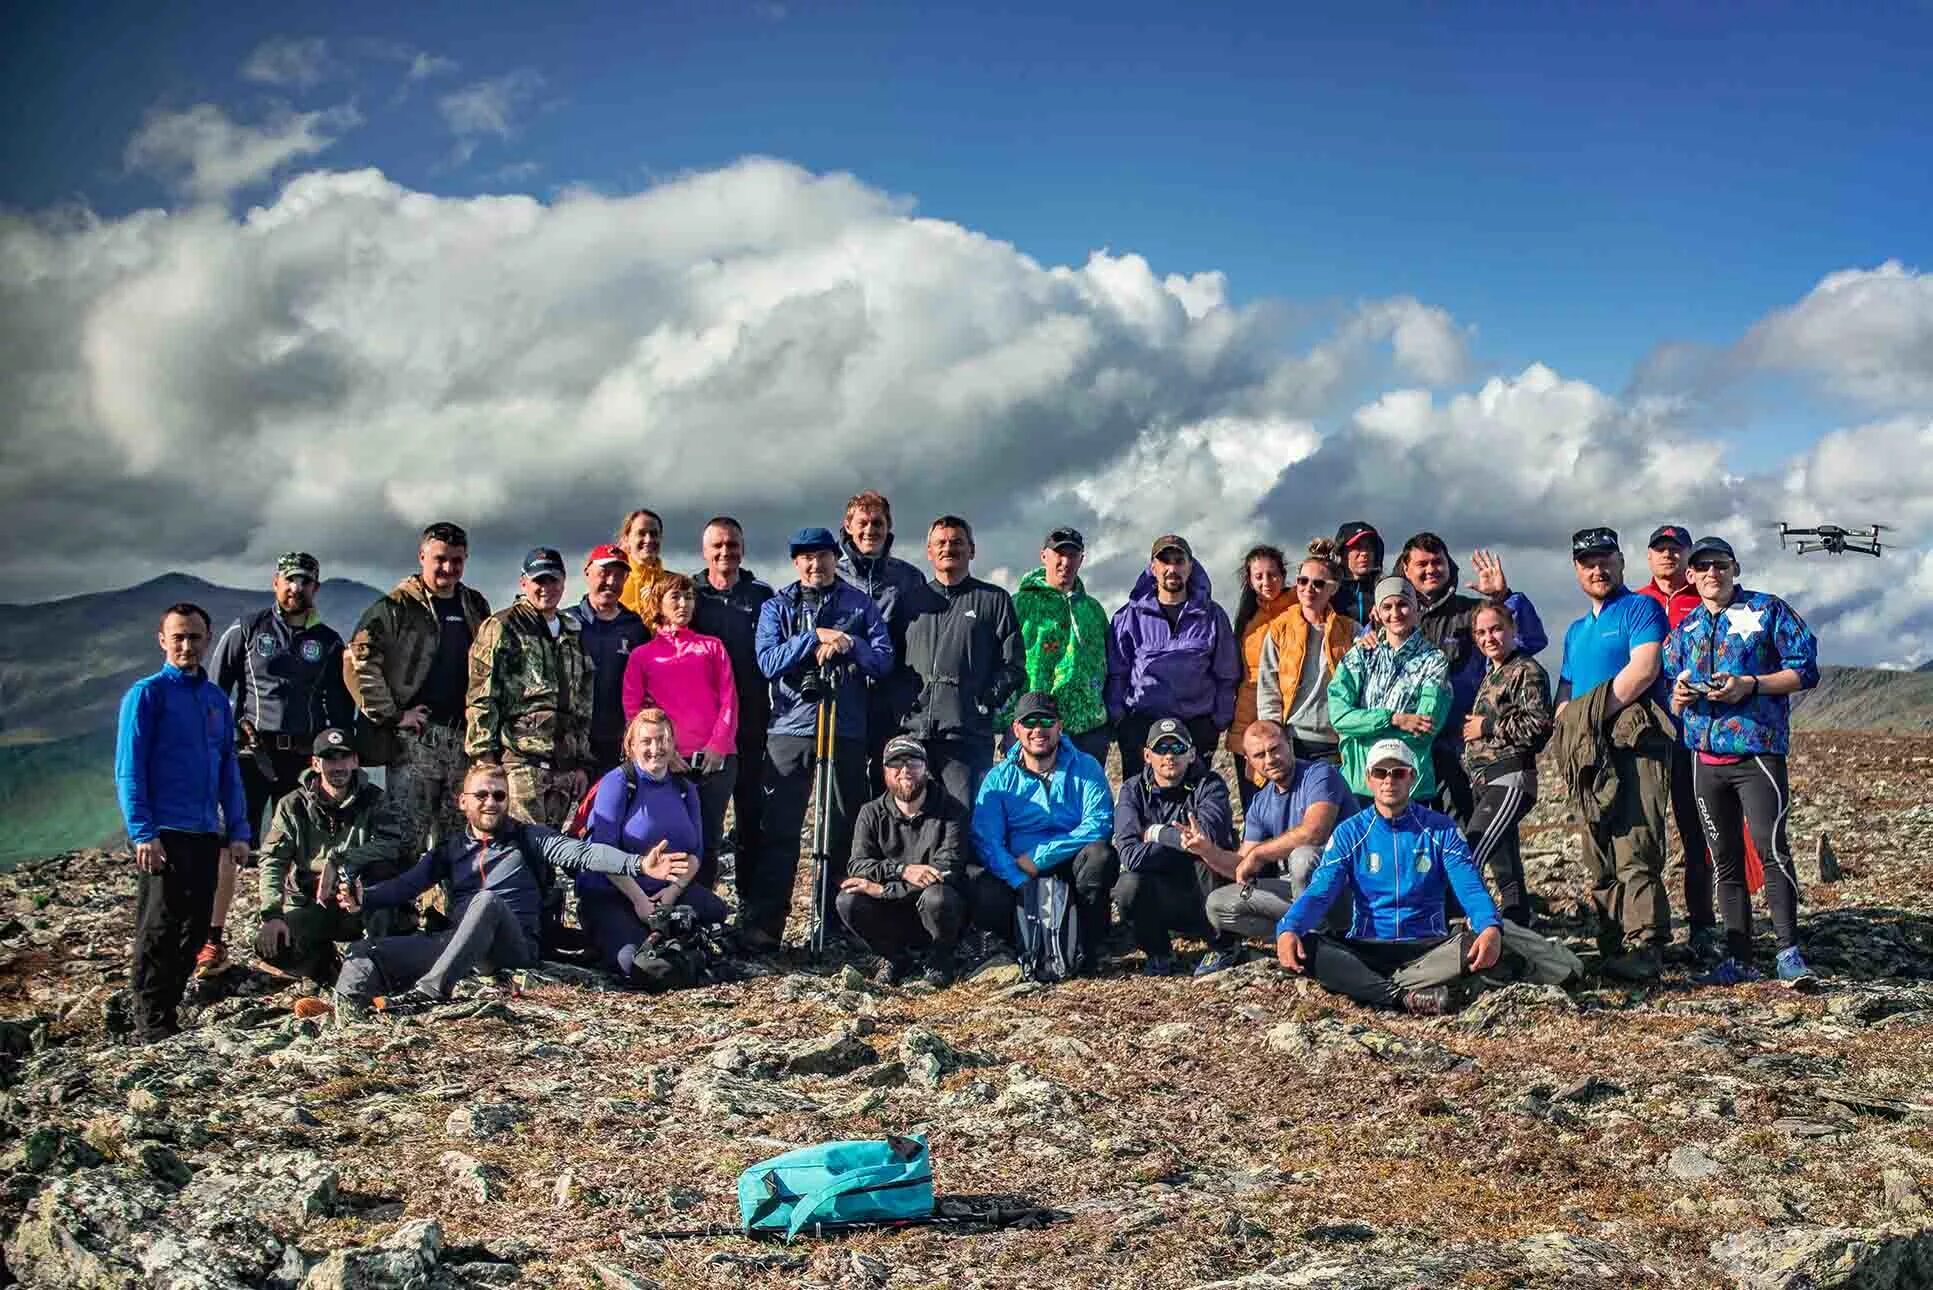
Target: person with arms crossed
{"points": [[1393, 685]]}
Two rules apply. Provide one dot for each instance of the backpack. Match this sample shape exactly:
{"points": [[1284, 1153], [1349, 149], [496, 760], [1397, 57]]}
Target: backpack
{"points": [[838, 1182], [1535, 958], [580, 822], [1047, 930]]}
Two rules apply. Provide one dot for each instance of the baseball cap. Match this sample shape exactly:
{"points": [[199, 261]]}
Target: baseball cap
{"points": [[297, 564], [1669, 533], [608, 553], [813, 539], [1037, 704], [1712, 546], [1065, 537], [543, 562], [902, 748], [1168, 728], [1395, 585], [331, 740], [1167, 540], [1384, 751], [1593, 540]]}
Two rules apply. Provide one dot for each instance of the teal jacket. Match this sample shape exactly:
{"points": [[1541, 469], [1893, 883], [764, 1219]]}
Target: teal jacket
{"points": [[1047, 818]]}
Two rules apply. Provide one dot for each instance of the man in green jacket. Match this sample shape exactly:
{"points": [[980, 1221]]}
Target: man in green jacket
{"points": [[336, 824], [1064, 632]]}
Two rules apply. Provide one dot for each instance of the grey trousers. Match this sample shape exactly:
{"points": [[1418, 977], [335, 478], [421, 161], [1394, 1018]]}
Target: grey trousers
{"points": [[1253, 909], [1378, 973], [488, 932]]}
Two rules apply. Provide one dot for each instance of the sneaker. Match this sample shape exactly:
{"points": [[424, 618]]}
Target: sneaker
{"points": [[309, 1007], [1640, 966], [1706, 943], [1216, 961], [1159, 965], [1730, 972], [1430, 1001], [407, 1004], [938, 975], [1795, 971], [211, 959]]}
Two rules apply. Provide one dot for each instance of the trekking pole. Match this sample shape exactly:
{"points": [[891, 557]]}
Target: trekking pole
{"points": [[827, 714]]}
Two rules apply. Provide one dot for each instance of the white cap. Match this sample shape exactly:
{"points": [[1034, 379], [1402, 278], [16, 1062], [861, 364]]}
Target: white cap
{"points": [[1388, 750]]}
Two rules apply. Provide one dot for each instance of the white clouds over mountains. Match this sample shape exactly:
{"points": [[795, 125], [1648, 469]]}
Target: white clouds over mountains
{"points": [[336, 368]]}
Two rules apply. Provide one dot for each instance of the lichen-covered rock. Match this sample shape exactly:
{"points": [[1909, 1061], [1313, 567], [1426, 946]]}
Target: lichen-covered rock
{"points": [[1833, 1258]]}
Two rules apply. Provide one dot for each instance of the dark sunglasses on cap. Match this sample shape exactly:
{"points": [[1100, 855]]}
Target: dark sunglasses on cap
{"points": [[1039, 721], [1303, 580], [494, 795], [1390, 772], [1170, 747]]}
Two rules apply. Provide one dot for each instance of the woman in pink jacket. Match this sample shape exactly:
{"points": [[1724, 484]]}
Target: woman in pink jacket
{"points": [[689, 676]]}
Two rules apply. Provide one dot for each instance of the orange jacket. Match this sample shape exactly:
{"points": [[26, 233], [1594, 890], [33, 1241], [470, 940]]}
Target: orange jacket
{"points": [[1250, 646], [1280, 671]]}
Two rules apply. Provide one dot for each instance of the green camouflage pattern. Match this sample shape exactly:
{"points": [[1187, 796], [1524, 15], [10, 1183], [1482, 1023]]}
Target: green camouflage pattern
{"points": [[388, 659], [530, 693], [424, 780], [1066, 642]]}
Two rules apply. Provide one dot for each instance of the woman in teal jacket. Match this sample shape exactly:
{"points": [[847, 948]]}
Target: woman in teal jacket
{"points": [[1396, 686]]}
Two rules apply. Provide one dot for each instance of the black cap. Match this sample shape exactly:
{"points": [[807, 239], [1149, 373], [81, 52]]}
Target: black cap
{"points": [[1593, 541], [1712, 546], [332, 740], [902, 748], [1063, 537], [543, 562], [1676, 533], [1039, 703], [1168, 728]]}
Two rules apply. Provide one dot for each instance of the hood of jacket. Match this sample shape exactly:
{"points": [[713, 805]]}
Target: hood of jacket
{"points": [[1353, 529], [1199, 590], [1036, 583]]}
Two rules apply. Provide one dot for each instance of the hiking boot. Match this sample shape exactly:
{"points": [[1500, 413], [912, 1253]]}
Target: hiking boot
{"points": [[1429, 1001], [1216, 961], [407, 1004], [1706, 943], [212, 958], [309, 1007], [938, 975], [1639, 966], [890, 971], [1159, 965], [1730, 972], [756, 940], [1795, 971]]}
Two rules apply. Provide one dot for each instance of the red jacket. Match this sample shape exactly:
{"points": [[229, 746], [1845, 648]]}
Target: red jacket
{"points": [[1676, 605]]}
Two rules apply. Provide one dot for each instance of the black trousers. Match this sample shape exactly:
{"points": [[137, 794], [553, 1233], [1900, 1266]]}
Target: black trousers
{"points": [[1378, 972], [748, 792], [1494, 842], [714, 795], [959, 765], [932, 916], [1133, 738], [765, 892], [1749, 794], [268, 777], [171, 912], [1699, 911], [1159, 901], [1092, 873], [1455, 796]]}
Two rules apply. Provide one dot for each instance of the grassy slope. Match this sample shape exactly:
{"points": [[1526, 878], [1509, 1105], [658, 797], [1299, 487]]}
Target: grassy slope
{"points": [[58, 795]]}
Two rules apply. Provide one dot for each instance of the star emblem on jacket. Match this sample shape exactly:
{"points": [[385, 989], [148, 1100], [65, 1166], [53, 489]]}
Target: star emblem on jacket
{"points": [[1744, 622]]}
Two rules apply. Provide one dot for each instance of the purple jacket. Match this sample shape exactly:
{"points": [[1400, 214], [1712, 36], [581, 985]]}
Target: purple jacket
{"points": [[1189, 672]]}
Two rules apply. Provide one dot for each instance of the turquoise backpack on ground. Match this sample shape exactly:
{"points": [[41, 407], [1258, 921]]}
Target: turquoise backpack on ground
{"points": [[838, 1182]]}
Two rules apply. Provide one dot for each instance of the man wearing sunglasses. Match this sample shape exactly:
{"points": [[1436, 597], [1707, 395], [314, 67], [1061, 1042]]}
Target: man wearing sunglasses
{"points": [[1170, 653], [1164, 885], [1613, 746], [281, 668], [1396, 861], [335, 825], [1736, 661]]}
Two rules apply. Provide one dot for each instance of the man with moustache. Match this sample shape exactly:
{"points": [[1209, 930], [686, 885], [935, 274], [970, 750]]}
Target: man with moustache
{"points": [[609, 632], [903, 886], [1171, 653], [1063, 634]]}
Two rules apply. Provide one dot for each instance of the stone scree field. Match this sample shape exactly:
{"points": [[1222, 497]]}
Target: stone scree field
{"points": [[1240, 1130]]}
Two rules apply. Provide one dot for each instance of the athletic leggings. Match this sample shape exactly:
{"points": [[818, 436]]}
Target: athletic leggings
{"points": [[1501, 806], [1750, 793]]}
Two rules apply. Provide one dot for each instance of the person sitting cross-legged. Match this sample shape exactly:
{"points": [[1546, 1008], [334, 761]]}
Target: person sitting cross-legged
{"points": [[1163, 885], [908, 868], [1394, 859], [495, 870]]}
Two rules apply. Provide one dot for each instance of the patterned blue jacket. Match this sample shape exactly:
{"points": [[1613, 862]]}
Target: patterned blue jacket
{"points": [[1756, 635]]}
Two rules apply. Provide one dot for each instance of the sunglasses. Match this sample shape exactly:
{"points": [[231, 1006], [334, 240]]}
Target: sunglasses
{"points": [[499, 795], [1390, 772], [1038, 723], [1170, 748], [1317, 583], [1706, 566]]}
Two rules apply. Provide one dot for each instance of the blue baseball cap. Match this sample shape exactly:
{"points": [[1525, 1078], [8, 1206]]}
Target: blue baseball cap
{"points": [[814, 539], [543, 562]]}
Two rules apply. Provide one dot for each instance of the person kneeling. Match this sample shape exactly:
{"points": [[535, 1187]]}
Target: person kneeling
{"points": [[496, 870], [1394, 858], [1163, 885], [643, 809], [908, 862]]}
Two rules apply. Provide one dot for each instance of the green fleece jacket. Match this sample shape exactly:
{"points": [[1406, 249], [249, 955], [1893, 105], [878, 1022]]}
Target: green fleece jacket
{"points": [[1065, 635]]}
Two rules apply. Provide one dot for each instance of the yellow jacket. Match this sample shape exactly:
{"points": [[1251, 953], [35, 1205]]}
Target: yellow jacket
{"points": [[640, 594]]}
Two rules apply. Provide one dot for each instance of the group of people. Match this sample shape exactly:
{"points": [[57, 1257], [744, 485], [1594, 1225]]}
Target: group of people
{"points": [[1384, 726]]}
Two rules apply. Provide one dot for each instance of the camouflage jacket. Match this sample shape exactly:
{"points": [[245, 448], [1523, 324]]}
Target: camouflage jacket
{"points": [[360, 834], [389, 657], [530, 694], [1513, 700]]}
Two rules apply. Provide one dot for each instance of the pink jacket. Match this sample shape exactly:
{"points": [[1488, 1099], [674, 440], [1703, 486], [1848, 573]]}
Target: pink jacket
{"points": [[689, 675]]}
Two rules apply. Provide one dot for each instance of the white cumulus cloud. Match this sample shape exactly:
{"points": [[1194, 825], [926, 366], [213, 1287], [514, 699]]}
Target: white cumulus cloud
{"points": [[1867, 332], [209, 156]]}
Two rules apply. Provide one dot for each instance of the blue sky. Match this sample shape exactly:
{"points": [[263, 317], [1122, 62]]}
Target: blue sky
{"points": [[1581, 182]]}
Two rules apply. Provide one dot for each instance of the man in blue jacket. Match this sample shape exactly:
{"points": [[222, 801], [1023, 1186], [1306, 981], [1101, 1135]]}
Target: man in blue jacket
{"points": [[180, 788], [1043, 811], [819, 637], [1395, 859], [1164, 887], [1170, 653]]}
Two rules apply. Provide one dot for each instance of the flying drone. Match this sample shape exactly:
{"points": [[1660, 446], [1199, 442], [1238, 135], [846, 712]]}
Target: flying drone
{"points": [[1832, 539]]}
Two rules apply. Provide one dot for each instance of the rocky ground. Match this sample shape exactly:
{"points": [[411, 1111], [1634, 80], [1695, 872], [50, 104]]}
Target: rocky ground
{"points": [[1241, 1130]]}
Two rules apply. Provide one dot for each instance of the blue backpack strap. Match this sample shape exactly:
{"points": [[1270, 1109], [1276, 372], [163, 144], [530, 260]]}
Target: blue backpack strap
{"points": [[851, 1181]]}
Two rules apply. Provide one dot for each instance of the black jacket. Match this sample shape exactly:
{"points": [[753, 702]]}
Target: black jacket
{"points": [[1201, 793], [963, 644], [280, 679], [884, 841], [1356, 597], [732, 616], [893, 584]]}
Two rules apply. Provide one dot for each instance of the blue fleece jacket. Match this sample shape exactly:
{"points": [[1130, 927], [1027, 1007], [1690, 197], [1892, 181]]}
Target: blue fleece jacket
{"points": [[786, 639], [174, 759], [1397, 871], [1047, 818]]}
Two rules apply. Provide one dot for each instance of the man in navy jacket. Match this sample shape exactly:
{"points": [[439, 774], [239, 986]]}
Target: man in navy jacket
{"points": [[1395, 859], [180, 789]]}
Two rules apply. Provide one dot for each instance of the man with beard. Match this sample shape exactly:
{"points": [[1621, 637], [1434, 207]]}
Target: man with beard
{"points": [[281, 668], [1164, 884], [866, 560], [1170, 653], [730, 597], [609, 633], [902, 888], [1063, 633]]}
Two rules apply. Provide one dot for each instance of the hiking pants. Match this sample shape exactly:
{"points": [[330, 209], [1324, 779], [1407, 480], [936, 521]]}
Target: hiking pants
{"points": [[171, 913], [1091, 873], [268, 776], [1455, 795], [1502, 804], [1378, 972], [715, 792], [487, 933], [422, 784], [1750, 793], [1691, 839], [1626, 854], [765, 889], [959, 765], [748, 795], [893, 927], [1156, 902], [1252, 909], [1133, 739]]}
